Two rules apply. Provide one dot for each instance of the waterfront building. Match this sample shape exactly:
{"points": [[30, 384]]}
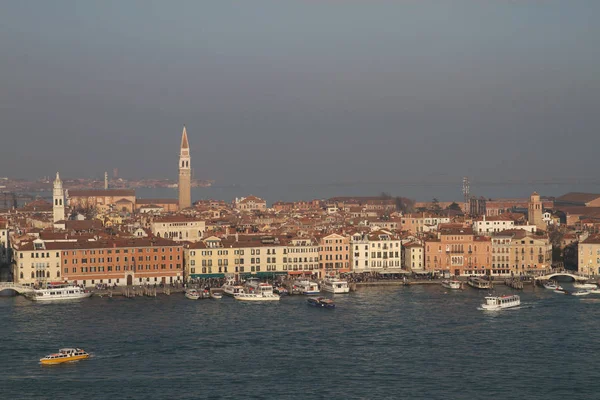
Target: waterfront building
{"points": [[102, 200], [589, 256], [178, 228], [185, 173], [58, 206], [531, 253], [37, 262], [250, 203], [334, 255], [413, 257], [377, 251], [239, 255], [122, 262], [458, 251]]}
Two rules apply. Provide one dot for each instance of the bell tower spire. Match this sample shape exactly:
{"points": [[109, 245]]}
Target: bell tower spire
{"points": [[185, 176], [58, 206]]}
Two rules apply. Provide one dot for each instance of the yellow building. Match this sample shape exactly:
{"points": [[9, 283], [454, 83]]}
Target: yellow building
{"points": [[589, 256], [241, 256], [36, 262]]}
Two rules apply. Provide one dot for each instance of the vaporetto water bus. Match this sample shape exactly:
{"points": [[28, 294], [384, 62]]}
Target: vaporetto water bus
{"points": [[479, 283], [451, 284], [501, 302], [61, 292]]}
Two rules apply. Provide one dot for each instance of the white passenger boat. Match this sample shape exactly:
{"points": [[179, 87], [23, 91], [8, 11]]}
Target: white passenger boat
{"points": [[306, 287], [230, 288], [62, 292], [501, 302], [595, 291], [478, 283], [581, 293], [192, 294], [585, 285], [451, 284], [334, 285], [257, 291]]}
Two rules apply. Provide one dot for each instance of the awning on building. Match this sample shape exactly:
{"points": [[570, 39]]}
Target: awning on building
{"points": [[204, 276], [302, 272]]}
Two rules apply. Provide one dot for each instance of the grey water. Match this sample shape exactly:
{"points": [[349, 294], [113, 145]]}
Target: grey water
{"points": [[420, 191], [417, 342]]}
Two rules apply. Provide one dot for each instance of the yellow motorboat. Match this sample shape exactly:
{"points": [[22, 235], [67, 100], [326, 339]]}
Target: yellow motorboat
{"points": [[65, 355]]}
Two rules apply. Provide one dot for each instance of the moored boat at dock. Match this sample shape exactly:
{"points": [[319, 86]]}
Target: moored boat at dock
{"points": [[493, 303], [258, 291], [451, 284], [334, 285], [65, 355], [479, 283], [306, 287], [230, 288], [60, 292], [192, 294]]}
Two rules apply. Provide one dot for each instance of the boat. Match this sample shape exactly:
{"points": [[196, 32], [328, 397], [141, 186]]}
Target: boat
{"points": [[501, 302], [451, 284], [306, 287], [60, 292], [560, 290], [581, 293], [205, 294], [216, 295], [65, 355], [479, 283], [335, 285], [257, 291], [230, 288], [552, 285], [280, 290], [192, 294], [585, 285], [320, 302], [595, 291]]}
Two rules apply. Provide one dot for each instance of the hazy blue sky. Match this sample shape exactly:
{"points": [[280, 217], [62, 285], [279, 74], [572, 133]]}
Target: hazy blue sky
{"points": [[309, 91]]}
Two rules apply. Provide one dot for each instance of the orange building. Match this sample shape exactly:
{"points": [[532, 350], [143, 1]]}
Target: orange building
{"points": [[460, 252], [334, 255], [122, 262]]}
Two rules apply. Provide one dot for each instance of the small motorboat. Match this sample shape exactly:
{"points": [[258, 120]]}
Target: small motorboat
{"points": [[192, 294], [581, 293], [321, 302], [595, 291], [216, 295], [587, 286], [65, 355], [552, 285]]}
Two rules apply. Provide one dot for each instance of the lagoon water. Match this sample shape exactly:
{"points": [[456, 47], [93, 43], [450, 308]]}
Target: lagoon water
{"points": [[418, 342]]}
